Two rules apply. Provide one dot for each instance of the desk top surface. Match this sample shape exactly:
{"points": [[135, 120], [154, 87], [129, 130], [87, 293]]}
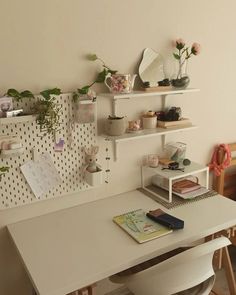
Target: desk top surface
{"points": [[69, 249]]}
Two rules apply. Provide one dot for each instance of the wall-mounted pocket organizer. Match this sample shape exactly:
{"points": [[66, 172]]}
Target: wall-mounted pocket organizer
{"points": [[14, 190], [85, 111], [94, 178]]}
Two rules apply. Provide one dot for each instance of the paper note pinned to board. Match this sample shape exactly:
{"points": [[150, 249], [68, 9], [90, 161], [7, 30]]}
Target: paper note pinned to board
{"points": [[41, 175]]}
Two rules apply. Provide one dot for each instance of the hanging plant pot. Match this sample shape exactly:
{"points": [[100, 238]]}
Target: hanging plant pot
{"points": [[94, 178]]}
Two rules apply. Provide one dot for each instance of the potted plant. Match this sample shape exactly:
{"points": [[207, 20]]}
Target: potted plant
{"points": [[182, 55], [48, 111], [115, 126]]}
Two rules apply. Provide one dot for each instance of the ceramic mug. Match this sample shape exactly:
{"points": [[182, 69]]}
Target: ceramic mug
{"points": [[119, 83]]}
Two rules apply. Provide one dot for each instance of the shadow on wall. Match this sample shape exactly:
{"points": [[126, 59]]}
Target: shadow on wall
{"points": [[14, 279]]}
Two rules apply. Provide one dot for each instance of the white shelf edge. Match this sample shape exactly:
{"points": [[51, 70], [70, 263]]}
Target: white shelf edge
{"points": [[147, 133], [137, 94], [18, 119]]}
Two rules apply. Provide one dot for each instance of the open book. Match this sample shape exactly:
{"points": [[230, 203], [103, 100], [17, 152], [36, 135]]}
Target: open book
{"points": [[140, 227]]}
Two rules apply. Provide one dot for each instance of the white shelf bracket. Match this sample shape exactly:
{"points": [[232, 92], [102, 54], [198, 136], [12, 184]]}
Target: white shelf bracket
{"points": [[114, 107], [163, 102], [163, 141]]}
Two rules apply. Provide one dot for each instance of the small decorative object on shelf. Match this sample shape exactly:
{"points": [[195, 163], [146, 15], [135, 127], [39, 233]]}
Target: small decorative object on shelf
{"points": [[176, 151], [181, 78], [115, 126], [93, 171], [120, 83], [3, 170], [134, 126], [10, 146], [149, 120], [6, 106], [152, 160]]}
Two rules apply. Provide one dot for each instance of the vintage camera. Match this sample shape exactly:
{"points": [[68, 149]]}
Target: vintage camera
{"points": [[173, 114]]}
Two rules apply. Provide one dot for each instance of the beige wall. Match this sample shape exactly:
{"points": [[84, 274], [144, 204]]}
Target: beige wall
{"points": [[43, 44]]}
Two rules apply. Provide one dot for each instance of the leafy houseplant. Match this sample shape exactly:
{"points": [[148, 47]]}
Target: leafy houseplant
{"points": [[46, 109], [18, 96], [3, 170], [86, 90]]}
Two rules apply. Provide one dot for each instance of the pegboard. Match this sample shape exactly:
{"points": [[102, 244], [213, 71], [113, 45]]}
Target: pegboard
{"points": [[14, 189]]}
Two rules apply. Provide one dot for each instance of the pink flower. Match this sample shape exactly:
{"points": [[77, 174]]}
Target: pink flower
{"points": [[196, 48], [179, 43]]}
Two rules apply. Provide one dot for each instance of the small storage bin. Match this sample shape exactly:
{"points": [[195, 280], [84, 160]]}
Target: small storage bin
{"points": [[85, 111], [94, 178]]}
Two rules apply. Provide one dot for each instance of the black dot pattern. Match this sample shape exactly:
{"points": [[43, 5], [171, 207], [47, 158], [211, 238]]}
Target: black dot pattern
{"points": [[14, 189]]}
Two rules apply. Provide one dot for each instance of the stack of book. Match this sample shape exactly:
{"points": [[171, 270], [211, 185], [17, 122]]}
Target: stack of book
{"points": [[184, 188], [170, 124]]}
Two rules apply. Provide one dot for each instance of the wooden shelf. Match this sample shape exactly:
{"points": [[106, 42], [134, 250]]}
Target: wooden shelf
{"points": [[18, 119], [147, 133], [137, 94]]}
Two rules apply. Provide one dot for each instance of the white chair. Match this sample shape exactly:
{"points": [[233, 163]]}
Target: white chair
{"points": [[189, 272]]}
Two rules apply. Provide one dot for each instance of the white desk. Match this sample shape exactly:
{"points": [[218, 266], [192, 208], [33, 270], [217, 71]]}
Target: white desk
{"points": [[69, 249]]}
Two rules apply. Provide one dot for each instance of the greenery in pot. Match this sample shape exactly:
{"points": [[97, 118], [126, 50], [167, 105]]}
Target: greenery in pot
{"points": [[3, 170], [46, 109], [86, 90]]}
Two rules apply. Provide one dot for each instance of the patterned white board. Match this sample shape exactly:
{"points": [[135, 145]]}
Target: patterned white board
{"points": [[14, 189]]}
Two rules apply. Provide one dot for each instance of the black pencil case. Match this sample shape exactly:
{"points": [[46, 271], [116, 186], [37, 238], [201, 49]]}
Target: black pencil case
{"points": [[166, 219]]}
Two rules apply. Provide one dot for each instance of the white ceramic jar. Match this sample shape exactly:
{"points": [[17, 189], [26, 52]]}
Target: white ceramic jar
{"points": [[149, 122]]}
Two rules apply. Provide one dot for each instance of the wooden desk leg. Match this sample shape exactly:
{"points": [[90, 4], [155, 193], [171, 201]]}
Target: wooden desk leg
{"points": [[90, 290], [226, 262]]}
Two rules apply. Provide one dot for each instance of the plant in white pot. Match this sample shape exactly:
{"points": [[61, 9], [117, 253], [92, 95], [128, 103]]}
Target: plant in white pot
{"points": [[115, 126], [93, 172]]}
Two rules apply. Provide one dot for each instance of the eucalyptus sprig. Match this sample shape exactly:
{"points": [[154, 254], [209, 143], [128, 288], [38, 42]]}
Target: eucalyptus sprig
{"points": [[3, 170]]}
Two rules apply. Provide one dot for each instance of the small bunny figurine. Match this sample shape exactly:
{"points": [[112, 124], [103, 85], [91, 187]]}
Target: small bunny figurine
{"points": [[90, 158]]}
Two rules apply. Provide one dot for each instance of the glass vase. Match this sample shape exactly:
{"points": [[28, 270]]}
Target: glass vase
{"points": [[181, 78]]}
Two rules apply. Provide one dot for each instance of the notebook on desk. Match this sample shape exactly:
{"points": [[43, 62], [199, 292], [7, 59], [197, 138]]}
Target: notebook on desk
{"points": [[140, 227]]}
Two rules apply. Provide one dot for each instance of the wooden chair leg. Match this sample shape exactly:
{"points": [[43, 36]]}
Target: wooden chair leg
{"points": [[226, 262]]}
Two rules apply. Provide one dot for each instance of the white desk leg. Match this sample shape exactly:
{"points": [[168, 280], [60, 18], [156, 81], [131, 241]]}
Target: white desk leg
{"points": [[170, 190], [207, 179]]}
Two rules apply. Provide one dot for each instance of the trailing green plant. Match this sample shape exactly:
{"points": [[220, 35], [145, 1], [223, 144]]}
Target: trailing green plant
{"points": [[3, 170], [99, 79], [18, 96], [48, 111]]}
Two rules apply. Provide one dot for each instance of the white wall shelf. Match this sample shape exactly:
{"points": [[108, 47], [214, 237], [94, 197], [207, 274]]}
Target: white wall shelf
{"points": [[141, 94], [147, 132], [18, 119], [144, 134]]}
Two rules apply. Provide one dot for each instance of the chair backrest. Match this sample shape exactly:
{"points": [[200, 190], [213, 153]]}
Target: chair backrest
{"points": [[178, 273], [225, 184]]}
